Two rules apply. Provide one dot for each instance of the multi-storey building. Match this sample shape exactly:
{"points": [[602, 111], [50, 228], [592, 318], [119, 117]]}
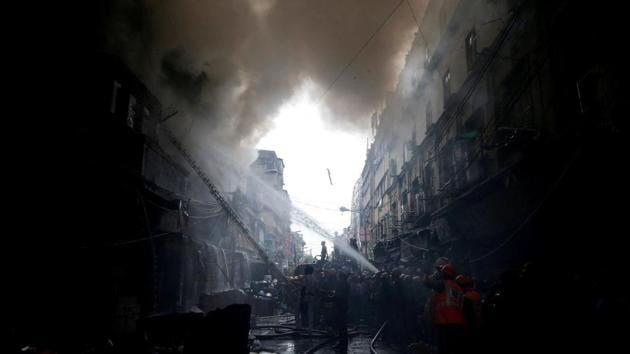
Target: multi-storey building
{"points": [[268, 207], [476, 133], [150, 234]]}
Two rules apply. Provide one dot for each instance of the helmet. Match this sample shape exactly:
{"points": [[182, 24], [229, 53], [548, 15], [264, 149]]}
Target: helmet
{"points": [[396, 273], [440, 262], [448, 271], [464, 281]]}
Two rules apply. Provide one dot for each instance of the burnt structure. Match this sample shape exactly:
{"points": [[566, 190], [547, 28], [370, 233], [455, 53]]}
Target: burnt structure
{"points": [[142, 231], [502, 117], [266, 209]]}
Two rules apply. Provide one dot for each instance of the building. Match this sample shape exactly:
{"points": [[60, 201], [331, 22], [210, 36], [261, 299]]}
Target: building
{"points": [[144, 232], [479, 131], [267, 208], [297, 253]]}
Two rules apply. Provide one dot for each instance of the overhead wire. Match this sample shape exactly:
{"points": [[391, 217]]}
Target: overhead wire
{"points": [[122, 243], [204, 214], [321, 99], [316, 206], [529, 217], [411, 244]]}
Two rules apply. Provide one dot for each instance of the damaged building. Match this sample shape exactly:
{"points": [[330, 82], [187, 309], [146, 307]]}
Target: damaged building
{"points": [[481, 133], [149, 233], [147, 221], [266, 208]]}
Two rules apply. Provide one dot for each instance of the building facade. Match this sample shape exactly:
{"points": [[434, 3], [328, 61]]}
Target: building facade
{"points": [[266, 207], [150, 234], [475, 136]]}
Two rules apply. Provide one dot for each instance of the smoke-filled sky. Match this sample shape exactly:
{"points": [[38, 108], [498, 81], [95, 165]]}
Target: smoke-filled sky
{"points": [[228, 67], [234, 63]]}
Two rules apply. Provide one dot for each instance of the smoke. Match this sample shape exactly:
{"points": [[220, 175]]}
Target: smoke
{"points": [[227, 66]]}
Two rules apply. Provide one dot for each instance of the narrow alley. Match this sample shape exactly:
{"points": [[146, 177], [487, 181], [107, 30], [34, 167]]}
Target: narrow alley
{"points": [[325, 176]]}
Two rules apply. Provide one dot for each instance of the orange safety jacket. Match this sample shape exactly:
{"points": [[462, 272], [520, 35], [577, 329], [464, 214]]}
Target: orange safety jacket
{"points": [[474, 297], [448, 304]]}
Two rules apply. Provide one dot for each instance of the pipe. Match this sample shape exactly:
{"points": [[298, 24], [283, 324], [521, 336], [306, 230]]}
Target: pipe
{"points": [[320, 345], [372, 350], [325, 342], [291, 333], [274, 326], [281, 331]]}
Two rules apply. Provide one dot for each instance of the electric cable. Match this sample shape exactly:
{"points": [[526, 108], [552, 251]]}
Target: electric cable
{"points": [[360, 51], [534, 211]]}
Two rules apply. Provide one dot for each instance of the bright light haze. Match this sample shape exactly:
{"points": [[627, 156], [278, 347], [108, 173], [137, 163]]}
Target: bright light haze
{"points": [[309, 147]]}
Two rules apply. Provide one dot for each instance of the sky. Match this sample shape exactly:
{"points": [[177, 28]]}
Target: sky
{"points": [[239, 72], [309, 147], [231, 65]]}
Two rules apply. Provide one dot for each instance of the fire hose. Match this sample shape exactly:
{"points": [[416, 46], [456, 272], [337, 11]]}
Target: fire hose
{"points": [[327, 341], [378, 334]]}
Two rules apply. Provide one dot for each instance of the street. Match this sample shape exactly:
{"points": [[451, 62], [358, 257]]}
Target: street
{"points": [[329, 176], [359, 342]]}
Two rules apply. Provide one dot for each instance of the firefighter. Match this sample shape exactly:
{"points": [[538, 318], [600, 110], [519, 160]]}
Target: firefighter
{"points": [[446, 310], [472, 301], [324, 253], [471, 310], [340, 306], [307, 298]]}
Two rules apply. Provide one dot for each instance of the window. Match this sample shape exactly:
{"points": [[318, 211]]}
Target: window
{"points": [[446, 164], [269, 165], [404, 152], [429, 115], [446, 81], [471, 49], [392, 167], [115, 88], [147, 113], [131, 111]]}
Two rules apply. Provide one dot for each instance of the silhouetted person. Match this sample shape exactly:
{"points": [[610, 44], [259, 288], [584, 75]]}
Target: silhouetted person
{"points": [[340, 305], [353, 244], [445, 306], [324, 254], [383, 297], [307, 297], [471, 311]]}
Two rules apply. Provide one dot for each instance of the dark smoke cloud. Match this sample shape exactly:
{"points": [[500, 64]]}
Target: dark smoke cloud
{"points": [[227, 66], [188, 85]]}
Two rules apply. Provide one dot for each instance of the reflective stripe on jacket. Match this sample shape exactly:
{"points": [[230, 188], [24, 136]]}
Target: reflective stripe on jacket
{"points": [[448, 305], [474, 298]]}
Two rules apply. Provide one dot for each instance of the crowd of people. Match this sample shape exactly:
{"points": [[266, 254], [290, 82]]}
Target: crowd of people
{"points": [[437, 309], [433, 308]]}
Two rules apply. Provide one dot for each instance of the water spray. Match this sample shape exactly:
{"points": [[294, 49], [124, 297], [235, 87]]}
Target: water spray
{"points": [[303, 218]]}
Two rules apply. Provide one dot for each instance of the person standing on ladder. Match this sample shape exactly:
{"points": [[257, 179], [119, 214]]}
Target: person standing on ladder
{"points": [[324, 254]]}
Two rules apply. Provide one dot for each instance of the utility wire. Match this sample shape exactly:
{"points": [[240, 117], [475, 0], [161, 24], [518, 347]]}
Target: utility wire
{"points": [[415, 19], [359, 52], [412, 245], [204, 213], [315, 201], [534, 212], [318, 207], [144, 238], [413, 14], [122, 243], [221, 200]]}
